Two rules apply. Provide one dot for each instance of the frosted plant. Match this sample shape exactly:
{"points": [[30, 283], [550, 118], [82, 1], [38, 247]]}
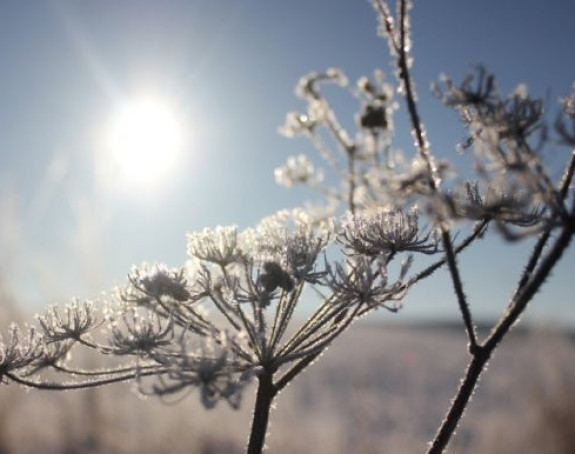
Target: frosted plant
{"points": [[298, 170], [228, 317], [388, 193]]}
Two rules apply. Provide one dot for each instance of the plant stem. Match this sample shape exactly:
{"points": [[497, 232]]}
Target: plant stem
{"points": [[264, 398], [458, 288], [481, 354], [459, 405]]}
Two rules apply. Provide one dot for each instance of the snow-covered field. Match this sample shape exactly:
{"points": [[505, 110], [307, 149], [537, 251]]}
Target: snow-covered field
{"points": [[379, 389]]}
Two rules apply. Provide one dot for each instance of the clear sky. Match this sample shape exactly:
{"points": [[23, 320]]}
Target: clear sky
{"points": [[225, 71]]}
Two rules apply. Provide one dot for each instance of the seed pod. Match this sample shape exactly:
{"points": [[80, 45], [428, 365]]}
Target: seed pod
{"points": [[274, 276], [373, 117]]}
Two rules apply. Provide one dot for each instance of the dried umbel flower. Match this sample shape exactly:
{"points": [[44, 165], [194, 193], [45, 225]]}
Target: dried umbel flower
{"points": [[273, 276], [287, 234], [483, 107], [520, 115], [20, 351], [516, 208], [302, 250], [383, 233], [364, 281], [157, 283], [73, 322], [484, 97], [219, 245], [134, 333], [373, 117], [298, 170], [377, 103]]}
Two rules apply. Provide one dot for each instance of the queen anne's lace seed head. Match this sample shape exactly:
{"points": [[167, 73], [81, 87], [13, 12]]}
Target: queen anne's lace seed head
{"points": [[219, 245], [73, 322], [515, 207], [302, 250], [519, 116], [273, 276], [134, 333], [158, 282], [381, 233], [298, 170], [363, 281], [21, 350], [377, 104]]}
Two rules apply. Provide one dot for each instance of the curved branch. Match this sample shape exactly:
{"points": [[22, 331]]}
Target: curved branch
{"points": [[52, 386]]}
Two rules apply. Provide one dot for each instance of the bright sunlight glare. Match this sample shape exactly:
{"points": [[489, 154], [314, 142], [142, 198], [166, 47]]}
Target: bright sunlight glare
{"points": [[144, 141]]}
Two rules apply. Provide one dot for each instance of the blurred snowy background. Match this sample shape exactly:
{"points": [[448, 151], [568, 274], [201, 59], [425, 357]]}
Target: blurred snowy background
{"points": [[380, 388]]}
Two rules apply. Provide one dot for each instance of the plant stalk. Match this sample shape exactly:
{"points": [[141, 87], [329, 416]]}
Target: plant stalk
{"points": [[460, 402], [481, 354], [264, 398]]}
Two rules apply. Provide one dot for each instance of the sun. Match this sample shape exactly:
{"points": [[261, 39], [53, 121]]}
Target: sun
{"points": [[143, 142]]}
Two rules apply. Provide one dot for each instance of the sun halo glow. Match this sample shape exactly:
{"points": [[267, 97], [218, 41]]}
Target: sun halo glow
{"points": [[143, 143]]}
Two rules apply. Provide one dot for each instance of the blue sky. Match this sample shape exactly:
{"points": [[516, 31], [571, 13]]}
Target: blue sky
{"points": [[228, 68]]}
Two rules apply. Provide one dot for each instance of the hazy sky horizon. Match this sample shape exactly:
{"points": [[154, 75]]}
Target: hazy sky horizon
{"points": [[228, 69]]}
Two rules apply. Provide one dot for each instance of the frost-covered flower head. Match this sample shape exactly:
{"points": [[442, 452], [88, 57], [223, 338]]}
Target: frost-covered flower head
{"points": [[364, 282], [381, 233], [298, 170], [377, 103], [20, 351], [287, 233], [319, 112], [139, 333], [75, 320], [219, 245], [157, 282]]}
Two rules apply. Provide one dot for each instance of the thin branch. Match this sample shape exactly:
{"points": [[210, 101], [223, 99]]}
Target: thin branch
{"points": [[351, 182], [478, 231], [482, 353], [424, 153], [460, 402], [50, 386], [567, 177], [100, 372], [519, 303], [545, 236], [458, 288], [405, 80], [295, 370], [284, 313]]}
